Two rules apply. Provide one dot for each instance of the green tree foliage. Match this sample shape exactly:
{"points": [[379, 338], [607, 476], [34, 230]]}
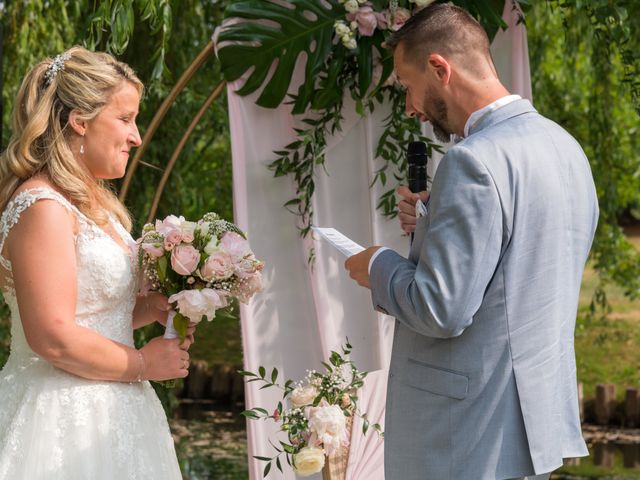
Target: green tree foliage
{"points": [[584, 62], [159, 39]]}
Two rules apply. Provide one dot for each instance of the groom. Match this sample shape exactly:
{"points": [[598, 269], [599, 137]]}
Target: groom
{"points": [[482, 382]]}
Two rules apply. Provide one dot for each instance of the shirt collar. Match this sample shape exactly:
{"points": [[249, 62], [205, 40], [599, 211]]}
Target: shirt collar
{"points": [[478, 115]]}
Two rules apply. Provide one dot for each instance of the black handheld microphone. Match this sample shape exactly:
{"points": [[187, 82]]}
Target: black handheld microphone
{"points": [[417, 161]]}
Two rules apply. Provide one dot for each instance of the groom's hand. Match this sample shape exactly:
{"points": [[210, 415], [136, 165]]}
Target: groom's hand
{"points": [[407, 207], [358, 266]]}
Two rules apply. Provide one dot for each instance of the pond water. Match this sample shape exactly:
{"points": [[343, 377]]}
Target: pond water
{"points": [[212, 445], [608, 461]]}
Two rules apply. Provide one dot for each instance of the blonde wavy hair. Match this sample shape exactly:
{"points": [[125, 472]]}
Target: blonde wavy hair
{"points": [[39, 144]]}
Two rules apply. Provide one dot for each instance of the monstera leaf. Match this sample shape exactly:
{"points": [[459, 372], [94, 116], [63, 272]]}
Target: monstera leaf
{"points": [[269, 32]]}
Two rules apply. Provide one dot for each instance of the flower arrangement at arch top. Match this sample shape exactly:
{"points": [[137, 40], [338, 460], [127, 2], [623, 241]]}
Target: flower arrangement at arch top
{"points": [[199, 265], [315, 414], [363, 20]]}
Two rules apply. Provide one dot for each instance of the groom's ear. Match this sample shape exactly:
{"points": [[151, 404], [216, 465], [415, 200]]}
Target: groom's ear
{"points": [[439, 67]]}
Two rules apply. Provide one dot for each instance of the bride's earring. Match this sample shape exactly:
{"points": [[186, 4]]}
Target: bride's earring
{"points": [[81, 149]]}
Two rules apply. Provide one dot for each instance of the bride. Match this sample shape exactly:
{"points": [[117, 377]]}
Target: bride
{"points": [[74, 400]]}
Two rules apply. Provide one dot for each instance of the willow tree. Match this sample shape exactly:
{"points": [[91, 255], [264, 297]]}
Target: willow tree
{"points": [[585, 72]]}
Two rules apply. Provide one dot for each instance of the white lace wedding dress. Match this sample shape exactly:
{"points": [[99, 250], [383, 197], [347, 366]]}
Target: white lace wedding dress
{"points": [[55, 425]]}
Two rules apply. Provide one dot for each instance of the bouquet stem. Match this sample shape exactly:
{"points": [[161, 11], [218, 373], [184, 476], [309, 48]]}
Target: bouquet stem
{"points": [[170, 332]]}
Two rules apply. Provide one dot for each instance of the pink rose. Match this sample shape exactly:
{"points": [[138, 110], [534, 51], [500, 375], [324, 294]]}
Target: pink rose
{"points": [[174, 236], [366, 19], [153, 249], [217, 267], [169, 224], [194, 304], [184, 259], [400, 18], [247, 266], [236, 246], [187, 236]]}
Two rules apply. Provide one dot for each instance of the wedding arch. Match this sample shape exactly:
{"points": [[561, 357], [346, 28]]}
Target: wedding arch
{"points": [[312, 103]]}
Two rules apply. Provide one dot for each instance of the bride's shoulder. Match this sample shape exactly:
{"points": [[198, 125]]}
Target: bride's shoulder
{"points": [[36, 187], [26, 198]]}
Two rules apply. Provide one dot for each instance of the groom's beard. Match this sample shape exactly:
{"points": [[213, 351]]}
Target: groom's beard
{"points": [[438, 117]]}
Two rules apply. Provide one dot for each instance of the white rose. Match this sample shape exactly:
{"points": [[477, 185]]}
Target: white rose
{"points": [[341, 28], [351, 6], [327, 424], [213, 246], [302, 396], [308, 461], [194, 304]]}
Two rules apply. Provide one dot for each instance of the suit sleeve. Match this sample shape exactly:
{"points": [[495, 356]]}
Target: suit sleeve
{"points": [[439, 295]]}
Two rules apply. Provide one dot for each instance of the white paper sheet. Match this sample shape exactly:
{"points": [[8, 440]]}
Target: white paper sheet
{"points": [[341, 242]]}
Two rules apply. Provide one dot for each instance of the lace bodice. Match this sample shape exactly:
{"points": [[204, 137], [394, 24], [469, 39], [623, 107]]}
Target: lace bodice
{"points": [[105, 274]]}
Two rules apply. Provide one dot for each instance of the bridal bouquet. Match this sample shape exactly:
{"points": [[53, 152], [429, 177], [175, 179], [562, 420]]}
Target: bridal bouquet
{"points": [[315, 414], [199, 265]]}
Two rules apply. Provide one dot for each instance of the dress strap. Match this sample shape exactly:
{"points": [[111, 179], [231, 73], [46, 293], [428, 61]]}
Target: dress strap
{"points": [[19, 204]]}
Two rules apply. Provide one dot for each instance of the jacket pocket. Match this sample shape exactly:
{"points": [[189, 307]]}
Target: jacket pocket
{"points": [[435, 380]]}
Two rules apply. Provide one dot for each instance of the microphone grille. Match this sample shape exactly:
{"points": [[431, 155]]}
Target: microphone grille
{"points": [[417, 148]]}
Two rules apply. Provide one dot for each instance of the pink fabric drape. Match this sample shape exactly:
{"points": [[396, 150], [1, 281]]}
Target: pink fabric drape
{"points": [[305, 312]]}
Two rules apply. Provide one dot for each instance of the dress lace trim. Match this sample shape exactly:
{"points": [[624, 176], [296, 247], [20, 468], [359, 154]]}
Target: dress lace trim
{"points": [[19, 204]]}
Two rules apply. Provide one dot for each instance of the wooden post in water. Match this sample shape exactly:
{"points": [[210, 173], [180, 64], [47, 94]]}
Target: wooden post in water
{"points": [[581, 401], [630, 455], [603, 455], [605, 403], [571, 462], [632, 407]]}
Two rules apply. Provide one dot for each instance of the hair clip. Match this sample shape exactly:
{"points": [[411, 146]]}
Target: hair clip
{"points": [[55, 67]]}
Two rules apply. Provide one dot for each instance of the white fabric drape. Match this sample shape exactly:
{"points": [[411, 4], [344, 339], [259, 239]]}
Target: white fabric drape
{"points": [[305, 312]]}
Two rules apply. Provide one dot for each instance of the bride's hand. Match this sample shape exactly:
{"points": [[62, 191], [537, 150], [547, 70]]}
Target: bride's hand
{"points": [[165, 359], [158, 306], [190, 339], [151, 307]]}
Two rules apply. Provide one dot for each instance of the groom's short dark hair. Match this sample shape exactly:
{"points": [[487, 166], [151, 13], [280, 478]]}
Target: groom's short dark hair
{"points": [[444, 29]]}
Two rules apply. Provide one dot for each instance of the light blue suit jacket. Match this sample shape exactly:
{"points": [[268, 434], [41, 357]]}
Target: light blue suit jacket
{"points": [[482, 383]]}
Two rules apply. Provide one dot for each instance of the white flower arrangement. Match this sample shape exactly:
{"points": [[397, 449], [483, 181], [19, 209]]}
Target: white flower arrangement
{"points": [[317, 422]]}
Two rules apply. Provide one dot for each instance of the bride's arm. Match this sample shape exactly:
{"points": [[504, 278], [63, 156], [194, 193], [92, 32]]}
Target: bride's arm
{"points": [[42, 253]]}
